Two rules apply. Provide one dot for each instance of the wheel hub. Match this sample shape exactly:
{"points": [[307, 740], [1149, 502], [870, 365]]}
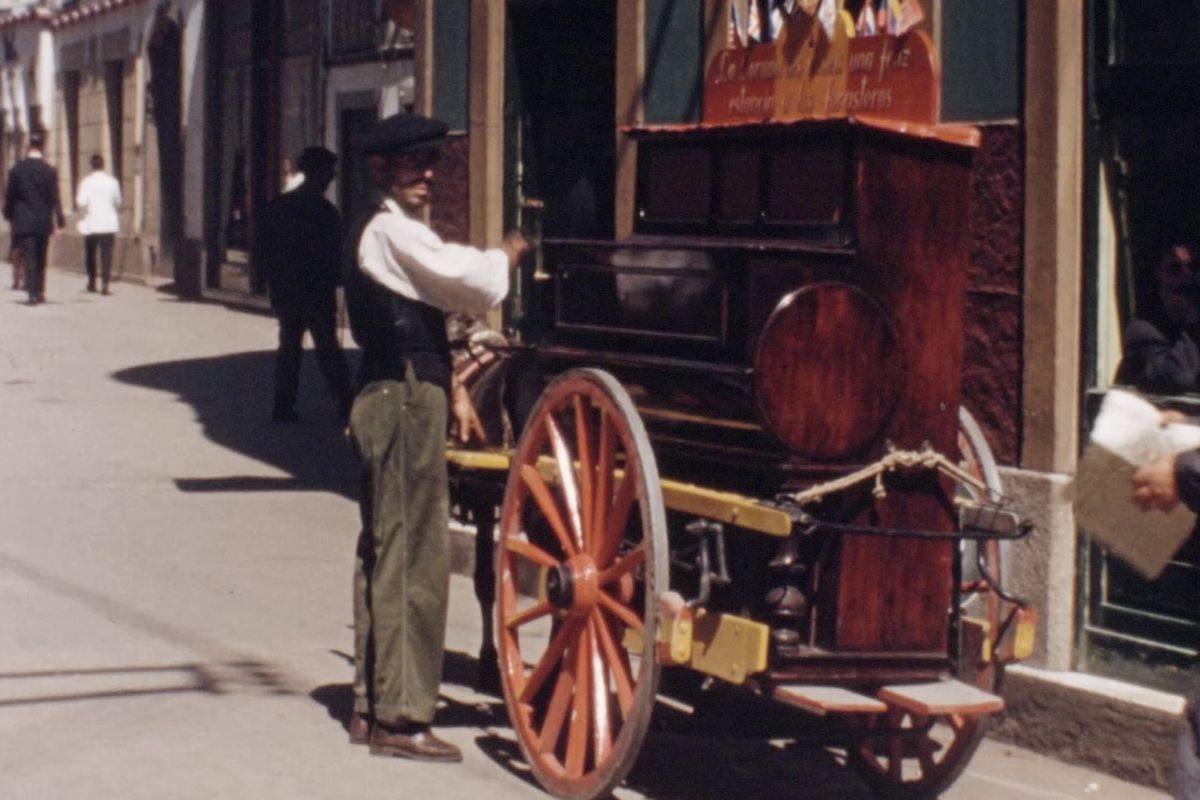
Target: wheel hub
{"points": [[560, 586], [573, 586]]}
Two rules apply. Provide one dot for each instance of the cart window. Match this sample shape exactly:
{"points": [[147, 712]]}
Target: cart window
{"points": [[677, 184], [739, 185], [805, 186], [659, 293]]}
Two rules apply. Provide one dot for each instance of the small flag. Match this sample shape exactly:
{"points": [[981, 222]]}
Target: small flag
{"points": [[754, 27], [737, 35], [895, 9], [866, 21], [911, 15], [778, 15], [827, 15]]}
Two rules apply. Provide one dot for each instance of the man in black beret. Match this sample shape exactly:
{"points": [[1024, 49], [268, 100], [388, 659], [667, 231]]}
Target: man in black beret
{"points": [[403, 281], [300, 250]]}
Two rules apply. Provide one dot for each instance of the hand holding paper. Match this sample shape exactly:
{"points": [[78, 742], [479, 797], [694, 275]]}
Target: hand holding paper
{"points": [[1125, 493]]}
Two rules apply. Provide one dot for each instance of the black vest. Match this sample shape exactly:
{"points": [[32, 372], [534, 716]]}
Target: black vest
{"points": [[394, 331]]}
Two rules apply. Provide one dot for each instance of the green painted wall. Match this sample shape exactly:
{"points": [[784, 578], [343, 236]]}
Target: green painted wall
{"points": [[452, 61], [982, 42], [674, 60]]}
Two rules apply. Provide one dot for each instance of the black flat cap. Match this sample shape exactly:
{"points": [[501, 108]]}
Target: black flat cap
{"points": [[311, 158], [404, 133]]}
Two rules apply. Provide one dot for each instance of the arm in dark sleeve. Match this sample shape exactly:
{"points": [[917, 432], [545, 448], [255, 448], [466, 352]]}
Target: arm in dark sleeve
{"points": [[10, 198], [59, 219], [1153, 363], [1187, 478], [332, 246]]}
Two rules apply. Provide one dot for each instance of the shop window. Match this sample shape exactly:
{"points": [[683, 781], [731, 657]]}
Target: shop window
{"points": [[1143, 199]]}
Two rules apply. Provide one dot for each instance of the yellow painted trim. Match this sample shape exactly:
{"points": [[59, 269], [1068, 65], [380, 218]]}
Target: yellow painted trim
{"points": [[729, 647], [478, 459], [726, 507]]}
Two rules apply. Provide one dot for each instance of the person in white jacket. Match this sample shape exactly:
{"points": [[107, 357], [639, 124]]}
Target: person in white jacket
{"points": [[99, 199]]}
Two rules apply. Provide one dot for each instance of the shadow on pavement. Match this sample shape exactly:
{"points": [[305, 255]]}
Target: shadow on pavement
{"points": [[231, 396]]}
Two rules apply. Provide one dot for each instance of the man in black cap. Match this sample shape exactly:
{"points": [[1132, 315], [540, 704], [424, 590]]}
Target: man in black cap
{"points": [[404, 280], [300, 250]]}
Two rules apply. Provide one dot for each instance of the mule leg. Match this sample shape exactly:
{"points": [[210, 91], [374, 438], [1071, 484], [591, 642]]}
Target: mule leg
{"points": [[488, 679]]}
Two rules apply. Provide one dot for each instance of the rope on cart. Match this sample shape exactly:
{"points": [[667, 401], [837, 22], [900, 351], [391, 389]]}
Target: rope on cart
{"points": [[895, 460]]}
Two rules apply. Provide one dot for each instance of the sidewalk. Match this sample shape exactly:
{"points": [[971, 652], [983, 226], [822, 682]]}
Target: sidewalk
{"points": [[175, 585]]}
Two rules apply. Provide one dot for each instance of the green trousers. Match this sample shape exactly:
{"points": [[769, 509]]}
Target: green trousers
{"points": [[402, 566]]}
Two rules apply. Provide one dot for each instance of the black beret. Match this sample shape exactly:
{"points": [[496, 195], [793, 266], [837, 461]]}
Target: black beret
{"points": [[404, 133], [311, 158]]}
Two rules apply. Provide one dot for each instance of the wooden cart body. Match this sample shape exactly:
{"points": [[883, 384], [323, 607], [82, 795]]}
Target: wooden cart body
{"points": [[776, 355]]}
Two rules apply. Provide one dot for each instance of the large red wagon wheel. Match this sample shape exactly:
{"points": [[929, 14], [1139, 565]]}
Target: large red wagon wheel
{"points": [[583, 521], [909, 756]]}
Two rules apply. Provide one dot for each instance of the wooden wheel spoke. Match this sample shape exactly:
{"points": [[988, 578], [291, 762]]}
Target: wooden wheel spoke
{"points": [[605, 460], [528, 615], [926, 748], [618, 663], [618, 520], [621, 612], [549, 508], [556, 712], [554, 654], [530, 552], [627, 564], [577, 734], [602, 733], [566, 478], [583, 446], [895, 759]]}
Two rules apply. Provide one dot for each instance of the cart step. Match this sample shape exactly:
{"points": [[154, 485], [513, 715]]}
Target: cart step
{"points": [[941, 697], [821, 700]]}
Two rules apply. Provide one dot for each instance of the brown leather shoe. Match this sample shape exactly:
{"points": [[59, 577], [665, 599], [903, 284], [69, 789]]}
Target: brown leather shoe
{"points": [[359, 729], [410, 740]]}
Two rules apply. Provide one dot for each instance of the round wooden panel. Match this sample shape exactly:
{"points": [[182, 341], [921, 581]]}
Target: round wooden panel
{"points": [[828, 371]]}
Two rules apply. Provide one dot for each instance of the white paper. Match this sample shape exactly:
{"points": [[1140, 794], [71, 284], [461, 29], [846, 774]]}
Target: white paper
{"points": [[1126, 435]]}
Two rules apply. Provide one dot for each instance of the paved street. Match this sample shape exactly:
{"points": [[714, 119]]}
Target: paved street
{"points": [[175, 589]]}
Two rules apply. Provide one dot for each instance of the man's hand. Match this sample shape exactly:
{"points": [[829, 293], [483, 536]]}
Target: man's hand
{"points": [[515, 246], [466, 418], [1173, 417], [1154, 486]]}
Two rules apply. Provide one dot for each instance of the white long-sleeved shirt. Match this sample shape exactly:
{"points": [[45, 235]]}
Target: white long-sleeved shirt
{"points": [[99, 197], [407, 257]]}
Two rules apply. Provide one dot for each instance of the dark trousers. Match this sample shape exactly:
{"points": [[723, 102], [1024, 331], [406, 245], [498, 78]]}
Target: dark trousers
{"points": [[323, 327], [402, 563], [102, 242], [33, 251]]}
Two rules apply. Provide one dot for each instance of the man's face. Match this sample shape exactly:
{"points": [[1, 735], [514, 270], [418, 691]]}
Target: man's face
{"points": [[412, 178], [1177, 287]]}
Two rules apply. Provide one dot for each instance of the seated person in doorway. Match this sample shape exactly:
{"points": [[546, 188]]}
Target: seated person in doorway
{"points": [[300, 249], [1161, 352]]}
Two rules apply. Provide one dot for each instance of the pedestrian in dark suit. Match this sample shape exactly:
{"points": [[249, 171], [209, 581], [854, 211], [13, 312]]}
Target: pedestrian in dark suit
{"points": [[300, 248], [32, 208]]}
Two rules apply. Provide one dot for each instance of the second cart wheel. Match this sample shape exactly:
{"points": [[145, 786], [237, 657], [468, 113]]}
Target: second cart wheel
{"points": [[583, 525], [912, 757]]}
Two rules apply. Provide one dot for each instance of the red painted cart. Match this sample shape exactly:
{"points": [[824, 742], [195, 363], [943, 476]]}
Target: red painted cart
{"points": [[739, 455]]}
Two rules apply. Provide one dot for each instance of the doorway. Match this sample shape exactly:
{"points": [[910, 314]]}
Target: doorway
{"points": [[560, 112]]}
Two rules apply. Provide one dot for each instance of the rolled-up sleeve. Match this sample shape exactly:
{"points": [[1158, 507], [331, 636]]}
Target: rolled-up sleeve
{"points": [[408, 258]]}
